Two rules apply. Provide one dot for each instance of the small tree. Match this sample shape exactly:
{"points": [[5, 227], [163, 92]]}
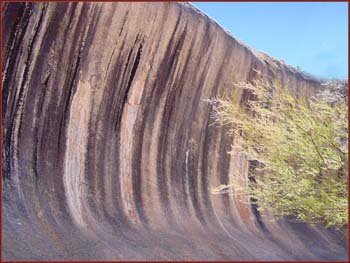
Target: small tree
{"points": [[300, 145]]}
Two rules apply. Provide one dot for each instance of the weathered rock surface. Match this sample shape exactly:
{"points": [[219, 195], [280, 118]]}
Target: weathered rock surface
{"points": [[108, 152]]}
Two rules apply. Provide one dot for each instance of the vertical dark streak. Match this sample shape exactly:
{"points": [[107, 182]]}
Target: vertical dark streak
{"points": [[165, 69], [133, 70], [71, 84], [254, 206], [7, 122]]}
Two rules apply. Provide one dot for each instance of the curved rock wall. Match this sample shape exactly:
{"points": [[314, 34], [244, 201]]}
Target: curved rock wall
{"points": [[108, 148]]}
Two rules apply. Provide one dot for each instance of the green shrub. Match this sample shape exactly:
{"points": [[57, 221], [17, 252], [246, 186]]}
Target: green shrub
{"points": [[300, 145]]}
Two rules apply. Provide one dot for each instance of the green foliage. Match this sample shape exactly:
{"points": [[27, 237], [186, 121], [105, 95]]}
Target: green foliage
{"points": [[300, 146]]}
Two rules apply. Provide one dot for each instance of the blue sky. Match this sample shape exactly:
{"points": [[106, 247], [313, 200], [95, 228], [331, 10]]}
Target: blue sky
{"points": [[311, 35]]}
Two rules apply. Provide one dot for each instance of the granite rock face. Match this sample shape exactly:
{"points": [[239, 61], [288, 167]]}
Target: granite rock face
{"points": [[108, 148]]}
